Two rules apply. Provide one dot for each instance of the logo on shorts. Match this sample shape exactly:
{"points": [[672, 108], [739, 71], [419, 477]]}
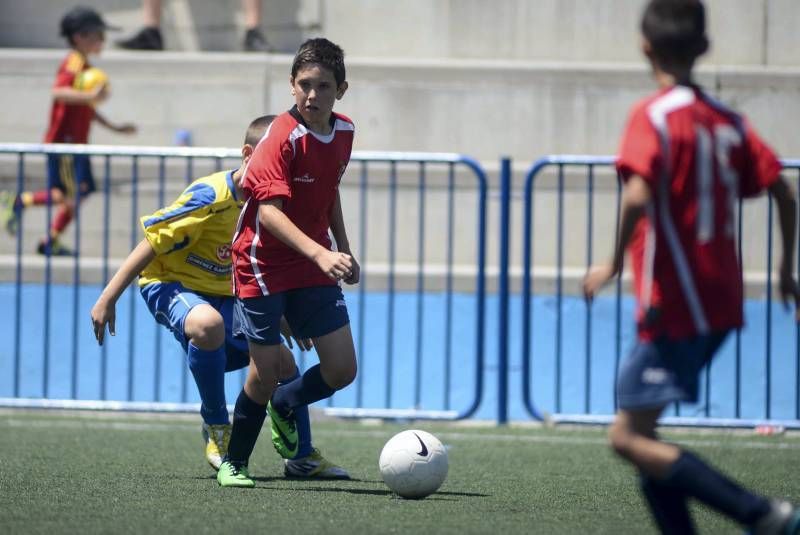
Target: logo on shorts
{"points": [[654, 376], [224, 251], [340, 303]]}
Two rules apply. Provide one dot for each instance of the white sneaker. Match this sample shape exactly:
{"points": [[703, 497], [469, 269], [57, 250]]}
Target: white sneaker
{"points": [[315, 466], [216, 438], [782, 519]]}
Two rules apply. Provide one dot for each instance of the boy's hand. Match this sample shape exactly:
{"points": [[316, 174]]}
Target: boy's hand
{"points": [[125, 128], [790, 291], [355, 273], [304, 344], [103, 313], [597, 277], [335, 265]]}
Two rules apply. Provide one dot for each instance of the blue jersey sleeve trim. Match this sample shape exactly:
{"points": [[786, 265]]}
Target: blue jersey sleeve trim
{"points": [[231, 186], [201, 195]]}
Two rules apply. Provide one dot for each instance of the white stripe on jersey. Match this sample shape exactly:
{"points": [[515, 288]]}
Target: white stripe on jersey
{"points": [[254, 261], [677, 98], [300, 131]]}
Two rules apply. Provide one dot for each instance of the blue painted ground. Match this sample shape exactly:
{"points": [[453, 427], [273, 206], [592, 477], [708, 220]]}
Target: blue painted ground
{"points": [[49, 360]]}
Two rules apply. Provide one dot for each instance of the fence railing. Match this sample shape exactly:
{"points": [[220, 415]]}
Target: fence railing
{"points": [[418, 222], [744, 369], [415, 297]]}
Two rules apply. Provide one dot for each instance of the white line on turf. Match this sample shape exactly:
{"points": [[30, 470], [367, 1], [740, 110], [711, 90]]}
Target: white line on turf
{"points": [[443, 435]]}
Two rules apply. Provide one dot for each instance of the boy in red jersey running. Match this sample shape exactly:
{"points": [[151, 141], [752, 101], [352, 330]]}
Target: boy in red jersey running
{"points": [[283, 262], [69, 177], [686, 160]]}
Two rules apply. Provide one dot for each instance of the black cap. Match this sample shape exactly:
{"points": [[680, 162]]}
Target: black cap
{"points": [[83, 19]]}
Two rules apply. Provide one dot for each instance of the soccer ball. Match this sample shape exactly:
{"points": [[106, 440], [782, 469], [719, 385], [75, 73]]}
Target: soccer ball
{"points": [[89, 79], [413, 464]]}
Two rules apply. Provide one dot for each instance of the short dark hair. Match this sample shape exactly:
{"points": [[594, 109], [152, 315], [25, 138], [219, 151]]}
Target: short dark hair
{"points": [[82, 19], [675, 29], [321, 52], [257, 129]]}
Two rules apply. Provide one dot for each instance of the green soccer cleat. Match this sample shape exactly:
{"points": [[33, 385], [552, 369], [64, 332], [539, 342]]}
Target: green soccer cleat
{"points": [[9, 214], [284, 434], [231, 476], [315, 466], [216, 438]]}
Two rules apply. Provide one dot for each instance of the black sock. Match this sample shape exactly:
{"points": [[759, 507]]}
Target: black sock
{"points": [[668, 506], [695, 478], [248, 417], [304, 390]]}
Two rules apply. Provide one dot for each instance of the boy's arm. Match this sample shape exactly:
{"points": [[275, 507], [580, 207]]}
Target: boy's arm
{"points": [[340, 235], [103, 311], [636, 195], [335, 265], [70, 95], [124, 128], [785, 201]]}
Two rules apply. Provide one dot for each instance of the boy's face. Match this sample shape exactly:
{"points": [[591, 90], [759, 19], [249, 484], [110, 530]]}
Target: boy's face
{"points": [[315, 91], [89, 42]]}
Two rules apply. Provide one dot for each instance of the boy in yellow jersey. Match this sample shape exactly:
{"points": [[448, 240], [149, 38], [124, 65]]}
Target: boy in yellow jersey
{"points": [[184, 268]]}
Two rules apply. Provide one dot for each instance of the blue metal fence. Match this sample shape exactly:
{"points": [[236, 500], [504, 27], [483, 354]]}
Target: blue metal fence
{"points": [[704, 413], [409, 331], [370, 172]]}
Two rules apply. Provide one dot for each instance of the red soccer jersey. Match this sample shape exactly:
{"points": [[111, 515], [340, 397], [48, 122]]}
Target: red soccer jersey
{"points": [[698, 157], [303, 168], [69, 123]]}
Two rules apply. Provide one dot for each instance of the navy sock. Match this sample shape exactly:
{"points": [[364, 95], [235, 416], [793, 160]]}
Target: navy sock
{"points": [[303, 424], [248, 417], [304, 390], [695, 478], [208, 369], [668, 506]]}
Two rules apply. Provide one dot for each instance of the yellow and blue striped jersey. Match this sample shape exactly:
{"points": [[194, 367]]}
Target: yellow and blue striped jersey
{"points": [[192, 236]]}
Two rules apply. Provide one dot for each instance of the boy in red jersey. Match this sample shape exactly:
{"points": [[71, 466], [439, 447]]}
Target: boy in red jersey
{"points": [[686, 160], [283, 261], [69, 177]]}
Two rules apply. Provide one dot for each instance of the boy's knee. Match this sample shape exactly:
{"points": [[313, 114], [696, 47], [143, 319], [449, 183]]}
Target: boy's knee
{"points": [[205, 328], [619, 438], [341, 376]]}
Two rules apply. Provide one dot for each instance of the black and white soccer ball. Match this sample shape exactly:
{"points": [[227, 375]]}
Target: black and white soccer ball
{"points": [[413, 464]]}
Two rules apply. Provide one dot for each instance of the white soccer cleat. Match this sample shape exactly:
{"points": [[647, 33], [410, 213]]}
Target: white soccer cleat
{"points": [[315, 466]]}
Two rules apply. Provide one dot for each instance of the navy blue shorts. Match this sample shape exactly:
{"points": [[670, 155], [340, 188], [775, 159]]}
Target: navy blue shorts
{"points": [[170, 303], [72, 174], [665, 371], [310, 312]]}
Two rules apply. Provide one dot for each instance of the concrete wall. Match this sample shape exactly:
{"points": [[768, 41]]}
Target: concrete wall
{"points": [[482, 108]]}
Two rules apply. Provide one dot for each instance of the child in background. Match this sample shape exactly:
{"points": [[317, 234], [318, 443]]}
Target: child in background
{"points": [[69, 177], [686, 160]]}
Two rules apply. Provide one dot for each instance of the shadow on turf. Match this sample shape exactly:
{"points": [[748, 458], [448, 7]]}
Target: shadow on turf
{"points": [[373, 492]]}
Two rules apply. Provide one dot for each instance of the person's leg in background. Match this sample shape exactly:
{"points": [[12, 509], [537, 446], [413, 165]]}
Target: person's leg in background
{"points": [[148, 37], [254, 38]]}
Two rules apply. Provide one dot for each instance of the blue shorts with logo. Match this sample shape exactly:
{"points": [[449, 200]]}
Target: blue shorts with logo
{"points": [[170, 303], [310, 312], [71, 173], [664, 371]]}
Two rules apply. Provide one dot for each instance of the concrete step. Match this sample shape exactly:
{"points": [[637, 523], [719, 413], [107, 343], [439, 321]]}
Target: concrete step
{"points": [[744, 32], [477, 107]]}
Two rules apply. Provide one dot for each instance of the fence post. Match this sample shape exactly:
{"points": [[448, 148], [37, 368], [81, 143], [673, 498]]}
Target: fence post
{"points": [[502, 290]]}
